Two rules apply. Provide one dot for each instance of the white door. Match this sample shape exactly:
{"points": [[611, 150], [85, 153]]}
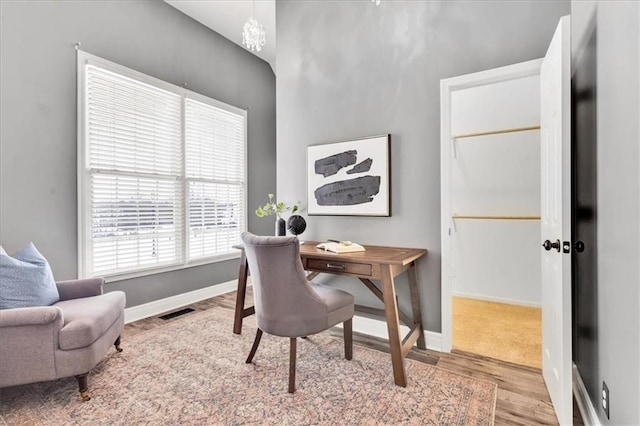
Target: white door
{"points": [[555, 119]]}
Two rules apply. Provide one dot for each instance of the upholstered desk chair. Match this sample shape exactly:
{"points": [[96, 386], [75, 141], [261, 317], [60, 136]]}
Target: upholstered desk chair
{"points": [[286, 304]]}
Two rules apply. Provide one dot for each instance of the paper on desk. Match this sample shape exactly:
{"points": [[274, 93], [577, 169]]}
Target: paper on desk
{"points": [[341, 247]]}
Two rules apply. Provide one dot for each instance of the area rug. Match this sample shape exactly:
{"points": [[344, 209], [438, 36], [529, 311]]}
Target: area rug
{"points": [[192, 371]]}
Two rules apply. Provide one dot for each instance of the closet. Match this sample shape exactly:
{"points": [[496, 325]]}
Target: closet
{"points": [[490, 158]]}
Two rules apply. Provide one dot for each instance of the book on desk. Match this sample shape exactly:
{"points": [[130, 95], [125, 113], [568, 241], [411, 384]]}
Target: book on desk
{"points": [[341, 247]]}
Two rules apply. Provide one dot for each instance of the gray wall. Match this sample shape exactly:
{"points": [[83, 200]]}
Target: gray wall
{"points": [[616, 343], [38, 117], [350, 69]]}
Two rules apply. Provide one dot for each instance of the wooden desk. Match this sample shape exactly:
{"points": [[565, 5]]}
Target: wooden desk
{"points": [[376, 263]]}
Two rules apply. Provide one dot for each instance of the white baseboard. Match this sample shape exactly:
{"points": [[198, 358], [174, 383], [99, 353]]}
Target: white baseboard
{"points": [[587, 410], [364, 325], [157, 307], [497, 299], [378, 328]]}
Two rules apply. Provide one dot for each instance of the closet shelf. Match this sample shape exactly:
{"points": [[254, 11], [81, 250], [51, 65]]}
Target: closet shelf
{"points": [[496, 132], [494, 217]]}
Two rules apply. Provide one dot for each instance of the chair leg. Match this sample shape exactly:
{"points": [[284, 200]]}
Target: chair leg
{"points": [[83, 385], [254, 348], [348, 338], [292, 365], [117, 344]]}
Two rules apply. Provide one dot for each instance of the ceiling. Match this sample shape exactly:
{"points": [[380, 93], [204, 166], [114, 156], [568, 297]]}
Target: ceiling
{"points": [[227, 17]]}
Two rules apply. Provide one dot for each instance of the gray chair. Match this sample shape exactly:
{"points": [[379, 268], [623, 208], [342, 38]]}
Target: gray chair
{"points": [[286, 304], [65, 339]]}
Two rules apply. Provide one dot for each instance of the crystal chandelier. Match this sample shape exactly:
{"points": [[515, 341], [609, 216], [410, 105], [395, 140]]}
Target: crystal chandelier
{"points": [[377, 2], [253, 35]]}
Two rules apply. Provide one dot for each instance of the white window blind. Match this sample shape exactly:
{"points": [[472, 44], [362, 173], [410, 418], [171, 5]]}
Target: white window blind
{"points": [[215, 176], [161, 173]]}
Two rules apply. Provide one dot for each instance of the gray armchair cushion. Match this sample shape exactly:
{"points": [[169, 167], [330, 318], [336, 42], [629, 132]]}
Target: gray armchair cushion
{"points": [[87, 318]]}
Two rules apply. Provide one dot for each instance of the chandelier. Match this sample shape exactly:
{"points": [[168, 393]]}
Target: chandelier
{"points": [[253, 35], [377, 2]]}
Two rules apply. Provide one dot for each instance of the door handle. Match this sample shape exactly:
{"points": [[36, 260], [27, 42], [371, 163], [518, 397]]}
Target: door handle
{"points": [[578, 246], [548, 245]]}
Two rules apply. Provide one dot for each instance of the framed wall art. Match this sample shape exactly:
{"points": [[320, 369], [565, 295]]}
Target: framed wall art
{"points": [[350, 178]]}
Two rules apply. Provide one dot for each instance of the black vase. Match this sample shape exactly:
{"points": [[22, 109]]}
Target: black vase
{"points": [[296, 224], [280, 227]]}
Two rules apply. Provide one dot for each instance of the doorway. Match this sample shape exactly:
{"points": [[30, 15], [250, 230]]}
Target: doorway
{"points": [[490, 156]]}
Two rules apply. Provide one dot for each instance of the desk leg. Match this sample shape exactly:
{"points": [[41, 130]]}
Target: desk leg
{"points": [[240, 294], [415, 303], [393, 325], [312, 275]]}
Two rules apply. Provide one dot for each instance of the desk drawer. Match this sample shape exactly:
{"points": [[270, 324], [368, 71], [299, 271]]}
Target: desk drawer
{"points": [[338, 267]]}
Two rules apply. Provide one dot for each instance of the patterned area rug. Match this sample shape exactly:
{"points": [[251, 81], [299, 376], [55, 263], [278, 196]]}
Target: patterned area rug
{"points": [[192, 371]]}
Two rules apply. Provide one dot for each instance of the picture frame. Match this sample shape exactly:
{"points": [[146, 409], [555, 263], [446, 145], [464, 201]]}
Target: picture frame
{"points": [[350, 178]]}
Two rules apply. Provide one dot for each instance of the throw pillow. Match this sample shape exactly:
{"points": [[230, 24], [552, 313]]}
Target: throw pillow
{"points": [[26, 280]]}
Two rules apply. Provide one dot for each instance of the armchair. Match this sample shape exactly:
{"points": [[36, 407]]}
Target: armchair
{"points": [[65, 339]]}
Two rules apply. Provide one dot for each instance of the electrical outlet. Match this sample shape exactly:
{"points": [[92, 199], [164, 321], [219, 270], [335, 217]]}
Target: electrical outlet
{"points": [[606, 402]]}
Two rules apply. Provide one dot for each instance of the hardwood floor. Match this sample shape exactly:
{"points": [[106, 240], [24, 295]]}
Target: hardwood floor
{"points": [[522, 395]]}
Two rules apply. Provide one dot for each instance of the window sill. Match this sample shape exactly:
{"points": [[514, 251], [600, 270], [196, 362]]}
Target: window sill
{"points": [[199, 262]]}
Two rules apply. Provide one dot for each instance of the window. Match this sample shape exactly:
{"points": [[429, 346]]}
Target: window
{"points": [[161, 173]]}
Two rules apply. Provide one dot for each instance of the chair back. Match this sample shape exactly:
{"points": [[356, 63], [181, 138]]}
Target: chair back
{"points": [[286, 305]]}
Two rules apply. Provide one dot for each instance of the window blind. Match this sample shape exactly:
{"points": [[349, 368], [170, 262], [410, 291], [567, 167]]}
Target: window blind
{"points": [[135, 161], [215, 174], [161, 176]]}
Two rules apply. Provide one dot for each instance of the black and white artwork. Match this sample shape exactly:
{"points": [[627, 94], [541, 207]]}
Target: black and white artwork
{"points": [[349, 178]]}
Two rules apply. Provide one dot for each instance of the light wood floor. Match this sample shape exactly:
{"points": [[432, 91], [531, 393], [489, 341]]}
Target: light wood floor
{"points": [[522, 395]]}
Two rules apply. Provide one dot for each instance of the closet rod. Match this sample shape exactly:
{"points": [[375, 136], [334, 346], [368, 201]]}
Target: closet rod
{"points": [[459, 216], [496, 132]]}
